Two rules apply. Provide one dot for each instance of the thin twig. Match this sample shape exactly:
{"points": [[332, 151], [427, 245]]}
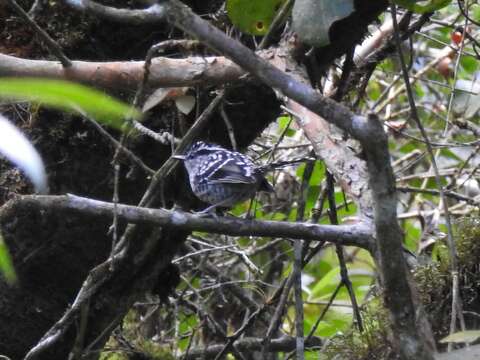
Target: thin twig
{"points": [[129, 154], [454, 195], [96, 278], [277, 315], [229, 126], [52, 45], [78, 345], [324, 311], [115, 201], [456, 300], [298, 263], [231, 340], [277, 21], [345, 279]]}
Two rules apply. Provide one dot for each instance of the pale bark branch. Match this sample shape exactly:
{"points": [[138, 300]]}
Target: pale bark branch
{"points": [[164, 72]]}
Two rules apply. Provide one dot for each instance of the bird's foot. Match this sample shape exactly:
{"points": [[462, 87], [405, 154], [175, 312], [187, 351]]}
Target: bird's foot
{"points": [[208, 212]]}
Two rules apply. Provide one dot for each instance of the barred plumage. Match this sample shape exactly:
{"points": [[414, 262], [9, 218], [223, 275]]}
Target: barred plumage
{"points": [[221, 177]]}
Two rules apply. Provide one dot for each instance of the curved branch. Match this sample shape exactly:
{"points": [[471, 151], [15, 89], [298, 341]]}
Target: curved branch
{"points": [[357, 235], [153, 14]]}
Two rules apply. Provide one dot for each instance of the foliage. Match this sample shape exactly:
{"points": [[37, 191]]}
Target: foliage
{"points": [[431, 6], [468, 241], [433, 279], [253, 16], [6, 266], [139, 346], [372, 344], [69, 96]]}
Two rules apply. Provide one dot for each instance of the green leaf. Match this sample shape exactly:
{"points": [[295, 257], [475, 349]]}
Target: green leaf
{"points": [[333, 322], [284, 123], [326, 285], [476, 12], [68, 96], [432, 5], [360, 277], [6, 266], [466, 336], [253, 16]]}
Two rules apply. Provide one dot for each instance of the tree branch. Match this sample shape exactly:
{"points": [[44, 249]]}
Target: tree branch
{"points": [[164, 72], [357, 235], [284, 344]]}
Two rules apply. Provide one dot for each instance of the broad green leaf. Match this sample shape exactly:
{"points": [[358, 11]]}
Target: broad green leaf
{"points": [[253, 16], [68, 96], [6, 266], [326, 285], [432, 5], [312, 196], [333, 322], [476, 13], [284, 123], [361, 279], [312, 20], [466, 336], [318, 174]]}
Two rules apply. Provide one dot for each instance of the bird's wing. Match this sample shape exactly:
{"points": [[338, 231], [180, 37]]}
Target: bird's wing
{"points": [[234, 171]]}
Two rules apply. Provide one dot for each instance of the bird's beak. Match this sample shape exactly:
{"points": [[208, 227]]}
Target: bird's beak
{"points": [[179, 157]]}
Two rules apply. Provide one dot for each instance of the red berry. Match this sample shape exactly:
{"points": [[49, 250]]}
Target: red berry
{"points": [[456, 37]]}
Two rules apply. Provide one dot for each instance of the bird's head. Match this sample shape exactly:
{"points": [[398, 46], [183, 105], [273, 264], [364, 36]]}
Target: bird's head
{"points": [[198, 148]]}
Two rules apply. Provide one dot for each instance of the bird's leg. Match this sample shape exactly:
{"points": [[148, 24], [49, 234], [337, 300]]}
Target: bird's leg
{"points": [[209, 211], [249, 215]]}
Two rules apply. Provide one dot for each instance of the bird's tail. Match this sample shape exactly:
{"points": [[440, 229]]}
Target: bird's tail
{"points": [[281, 164]]}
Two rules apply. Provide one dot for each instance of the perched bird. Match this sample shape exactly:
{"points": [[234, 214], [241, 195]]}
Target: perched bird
{"points": [[221, 177]]}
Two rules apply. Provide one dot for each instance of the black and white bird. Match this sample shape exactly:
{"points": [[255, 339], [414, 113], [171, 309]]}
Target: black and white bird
{"points": [[221, 177]]}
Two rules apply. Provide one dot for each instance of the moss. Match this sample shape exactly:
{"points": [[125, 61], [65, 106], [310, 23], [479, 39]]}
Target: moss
{"points": [[434, 283], [107, 355], [468, 241], [371, 344], [431, 281], [139, 347]]}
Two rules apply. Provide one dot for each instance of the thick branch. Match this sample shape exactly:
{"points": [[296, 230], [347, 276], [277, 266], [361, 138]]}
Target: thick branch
{"points": [[357, 235], [249, 344], [164, 72], [181, 16]]}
